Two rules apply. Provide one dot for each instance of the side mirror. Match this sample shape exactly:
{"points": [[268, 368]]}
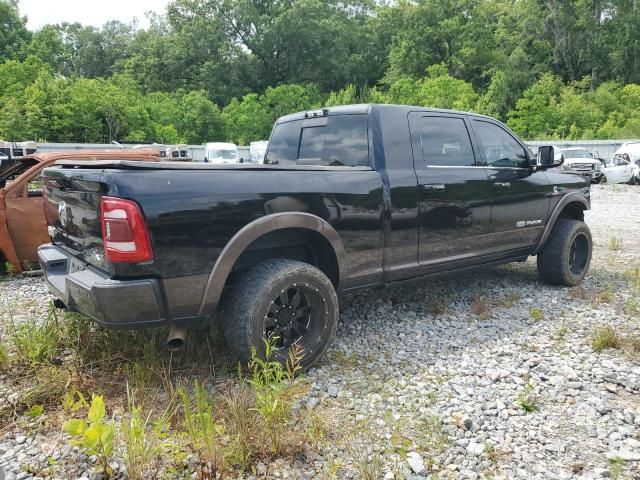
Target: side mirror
{"points": [[546, 158], [241, 160], [205, 159]]}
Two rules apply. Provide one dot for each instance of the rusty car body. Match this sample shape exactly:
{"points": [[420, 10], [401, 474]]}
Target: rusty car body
{"points": [[22, 225]]}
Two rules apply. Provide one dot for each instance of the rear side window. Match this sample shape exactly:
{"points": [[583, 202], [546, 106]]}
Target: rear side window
{"points": [[445, 141], [339, 140]]}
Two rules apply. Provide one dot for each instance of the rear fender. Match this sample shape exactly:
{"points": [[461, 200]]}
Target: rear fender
{"points": [[254, 230]]}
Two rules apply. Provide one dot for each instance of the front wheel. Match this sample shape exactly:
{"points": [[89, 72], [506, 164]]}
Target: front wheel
{"points": [[287, 301], [565, 257]]}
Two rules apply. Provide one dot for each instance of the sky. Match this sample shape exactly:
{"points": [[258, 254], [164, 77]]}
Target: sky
{"points": [[87, 12]]}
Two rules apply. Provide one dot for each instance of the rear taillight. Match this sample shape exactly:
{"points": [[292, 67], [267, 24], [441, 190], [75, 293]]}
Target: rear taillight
{"points": [[124, 232]]}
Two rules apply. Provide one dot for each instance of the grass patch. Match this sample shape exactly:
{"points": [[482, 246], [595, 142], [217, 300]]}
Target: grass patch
{"points": [[536, 314], [204, 431], [439, 303], [368, 465], [606, 336], [37, 342], [616, 467], [510, 299], [603, 296], [615, 244], [480, 305]]}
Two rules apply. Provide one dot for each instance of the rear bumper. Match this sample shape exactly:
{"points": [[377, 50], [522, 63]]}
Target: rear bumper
{"points": [[111, 303]]}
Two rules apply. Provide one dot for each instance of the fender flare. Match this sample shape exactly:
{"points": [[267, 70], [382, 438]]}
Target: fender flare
{"points": [[254, 230], [573, 197]]}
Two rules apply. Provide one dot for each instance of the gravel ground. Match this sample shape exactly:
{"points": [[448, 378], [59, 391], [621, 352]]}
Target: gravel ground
{"points": [[409, 393]]}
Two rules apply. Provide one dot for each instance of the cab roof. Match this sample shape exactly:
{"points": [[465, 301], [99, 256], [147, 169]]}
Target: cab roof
{"points": [[365, 108]]}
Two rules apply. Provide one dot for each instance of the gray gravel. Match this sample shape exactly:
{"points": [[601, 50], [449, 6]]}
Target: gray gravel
{"points": [[424, 394]]}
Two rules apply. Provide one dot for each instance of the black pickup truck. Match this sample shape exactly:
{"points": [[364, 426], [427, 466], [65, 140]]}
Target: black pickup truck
{"points": [[348, 197]]}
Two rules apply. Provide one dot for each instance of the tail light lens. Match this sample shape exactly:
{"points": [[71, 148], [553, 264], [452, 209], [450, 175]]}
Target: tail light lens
{"points": [[124, 232]]}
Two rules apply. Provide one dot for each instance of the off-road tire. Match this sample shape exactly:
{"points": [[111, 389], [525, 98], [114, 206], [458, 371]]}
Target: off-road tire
{"points": [[257, 292], [566, 255]]}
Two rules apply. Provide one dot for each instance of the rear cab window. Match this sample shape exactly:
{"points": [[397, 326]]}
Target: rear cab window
{"points": [[335, 140]]}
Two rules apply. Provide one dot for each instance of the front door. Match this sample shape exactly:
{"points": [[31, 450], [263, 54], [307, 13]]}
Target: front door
{"points": [[25, 218], [454, 197], [521, 194]]}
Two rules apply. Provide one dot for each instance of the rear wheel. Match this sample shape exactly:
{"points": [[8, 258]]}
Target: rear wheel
{"points": [[565, 257], [287, 301]]}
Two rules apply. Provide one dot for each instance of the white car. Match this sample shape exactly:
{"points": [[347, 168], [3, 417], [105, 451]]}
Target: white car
{"points": [[582, 161], [630, 152], [621, 170], [221, 153]]}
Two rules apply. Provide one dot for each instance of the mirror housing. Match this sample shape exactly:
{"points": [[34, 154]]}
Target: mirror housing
{"points": [[546, 158]]}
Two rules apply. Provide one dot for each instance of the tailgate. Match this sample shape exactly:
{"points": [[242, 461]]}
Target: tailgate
{"points": [[72, 211]]}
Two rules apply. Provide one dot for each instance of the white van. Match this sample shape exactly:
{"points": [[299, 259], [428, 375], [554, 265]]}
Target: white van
{"points": [[220, 152]]}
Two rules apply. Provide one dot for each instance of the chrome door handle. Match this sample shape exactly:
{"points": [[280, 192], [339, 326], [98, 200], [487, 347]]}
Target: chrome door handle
{"points": [[433, 187], [502, 184]]}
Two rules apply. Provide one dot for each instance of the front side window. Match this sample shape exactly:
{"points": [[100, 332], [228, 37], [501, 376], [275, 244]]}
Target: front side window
{"points": [[500, 149], [340, 141], [445, 141]]}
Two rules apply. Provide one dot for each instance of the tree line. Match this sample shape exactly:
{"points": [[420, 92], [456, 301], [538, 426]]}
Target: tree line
{"points": [[209, 70]]}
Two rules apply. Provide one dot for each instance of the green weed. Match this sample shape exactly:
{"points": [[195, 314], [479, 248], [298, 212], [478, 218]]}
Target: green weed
{"points": [[510, 299], [616, 467], [37, 342], [536, 314], [9, 269], [605, 337], [526, 399], [204, 431], [274, 390], [94, 435], [615, 244], [241, 426], [142, 441]]}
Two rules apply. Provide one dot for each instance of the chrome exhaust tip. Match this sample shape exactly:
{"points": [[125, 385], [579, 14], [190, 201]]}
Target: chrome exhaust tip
{"points": [[176, 338]]}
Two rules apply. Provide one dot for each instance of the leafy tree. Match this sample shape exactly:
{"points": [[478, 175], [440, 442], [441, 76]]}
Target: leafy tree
{"points": [[246, 120], [13, 29], [535, 114]]}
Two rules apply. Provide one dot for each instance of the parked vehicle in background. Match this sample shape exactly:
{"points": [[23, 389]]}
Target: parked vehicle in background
{"points": [[582, 161], [621, 170], [221, 153], [244, 154], [632, 149], [258, 151], [179, 153], [349, 197], [17, 149], [22, 225]]}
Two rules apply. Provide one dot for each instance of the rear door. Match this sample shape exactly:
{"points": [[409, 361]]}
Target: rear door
{"points": [[454, 195], [521, 195]]}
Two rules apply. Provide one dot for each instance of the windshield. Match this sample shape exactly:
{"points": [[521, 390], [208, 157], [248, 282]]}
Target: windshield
{"points": [[576, 154], [224, 154]]}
